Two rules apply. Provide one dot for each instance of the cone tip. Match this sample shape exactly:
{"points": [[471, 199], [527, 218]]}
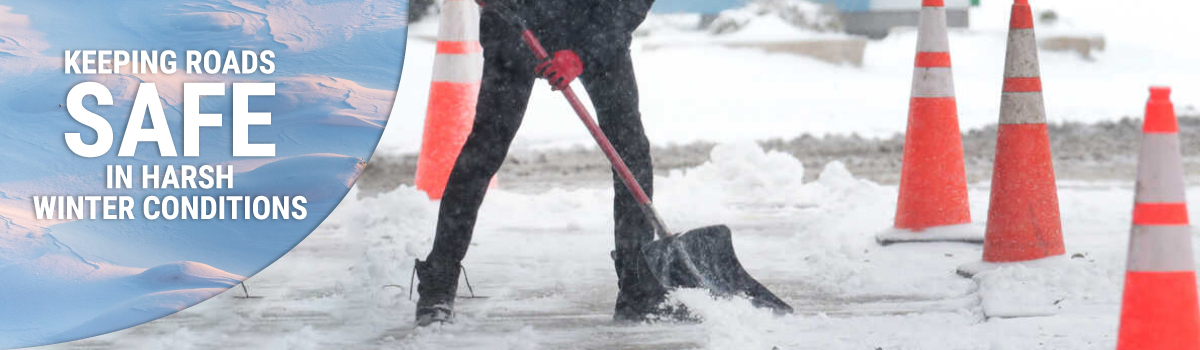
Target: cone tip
{"points": [[1160, 93], [1022, 15], [1160, 113]]}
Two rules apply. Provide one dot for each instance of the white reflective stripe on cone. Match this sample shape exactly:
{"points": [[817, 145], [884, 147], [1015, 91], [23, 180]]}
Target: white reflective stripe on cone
{"points": [[1160, 170], [931, 35], [1022, 108], [933, 82], [459, 21], [462, 68], [1021, 59], [1160, 248]]}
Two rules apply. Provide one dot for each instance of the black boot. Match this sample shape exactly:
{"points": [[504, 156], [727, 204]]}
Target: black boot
{"points": [[641, 297], [439, 283]]}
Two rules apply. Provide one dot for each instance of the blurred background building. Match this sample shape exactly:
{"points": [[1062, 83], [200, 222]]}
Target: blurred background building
{"points": [[873, 18]]}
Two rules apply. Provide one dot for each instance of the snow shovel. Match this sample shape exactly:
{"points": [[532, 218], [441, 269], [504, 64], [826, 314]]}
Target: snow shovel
{"points": [[700, 258]]}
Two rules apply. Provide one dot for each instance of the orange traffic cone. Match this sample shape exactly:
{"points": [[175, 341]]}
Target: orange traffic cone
{"points": [[1023, 219], [933, 183], [457, 72], [1159, 308]]}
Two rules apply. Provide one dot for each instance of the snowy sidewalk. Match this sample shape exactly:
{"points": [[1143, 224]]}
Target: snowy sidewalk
{"points": [[542, 263]]}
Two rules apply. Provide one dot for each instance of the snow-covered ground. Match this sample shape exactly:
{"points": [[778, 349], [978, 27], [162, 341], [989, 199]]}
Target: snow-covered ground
{"points": [[541, 261]]}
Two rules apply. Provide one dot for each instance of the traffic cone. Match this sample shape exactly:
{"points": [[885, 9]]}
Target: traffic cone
{"points": [[933, 182], [450, 113], [1023, 219], [1159, 308]]}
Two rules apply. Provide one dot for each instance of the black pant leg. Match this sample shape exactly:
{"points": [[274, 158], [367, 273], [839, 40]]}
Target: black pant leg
{"points": [[613, 91], [507, 81]]}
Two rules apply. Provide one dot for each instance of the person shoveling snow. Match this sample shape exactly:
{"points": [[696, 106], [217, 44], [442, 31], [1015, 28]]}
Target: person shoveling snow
{"points": [[593, 39]]}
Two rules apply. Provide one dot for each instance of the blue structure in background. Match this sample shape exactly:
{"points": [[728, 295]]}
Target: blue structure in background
{"points": [[851, 5], [873, 18]]}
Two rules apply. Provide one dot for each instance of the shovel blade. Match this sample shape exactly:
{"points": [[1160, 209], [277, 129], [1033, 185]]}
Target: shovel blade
{"points": [[710, 250]]}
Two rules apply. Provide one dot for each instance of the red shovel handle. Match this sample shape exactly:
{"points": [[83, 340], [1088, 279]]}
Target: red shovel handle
{"points": [[585, 116], [606, 146]]}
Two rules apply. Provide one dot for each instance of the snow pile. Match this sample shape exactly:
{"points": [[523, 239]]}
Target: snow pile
{"points": [[657, 24], [829, 224], [1045, 286], [398, 228], [187, 272], [737, 174], [773, 17], [730, 323]]}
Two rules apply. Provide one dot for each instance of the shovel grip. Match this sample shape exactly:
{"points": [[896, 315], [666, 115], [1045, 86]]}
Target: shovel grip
{"points": [[605, 145]]}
